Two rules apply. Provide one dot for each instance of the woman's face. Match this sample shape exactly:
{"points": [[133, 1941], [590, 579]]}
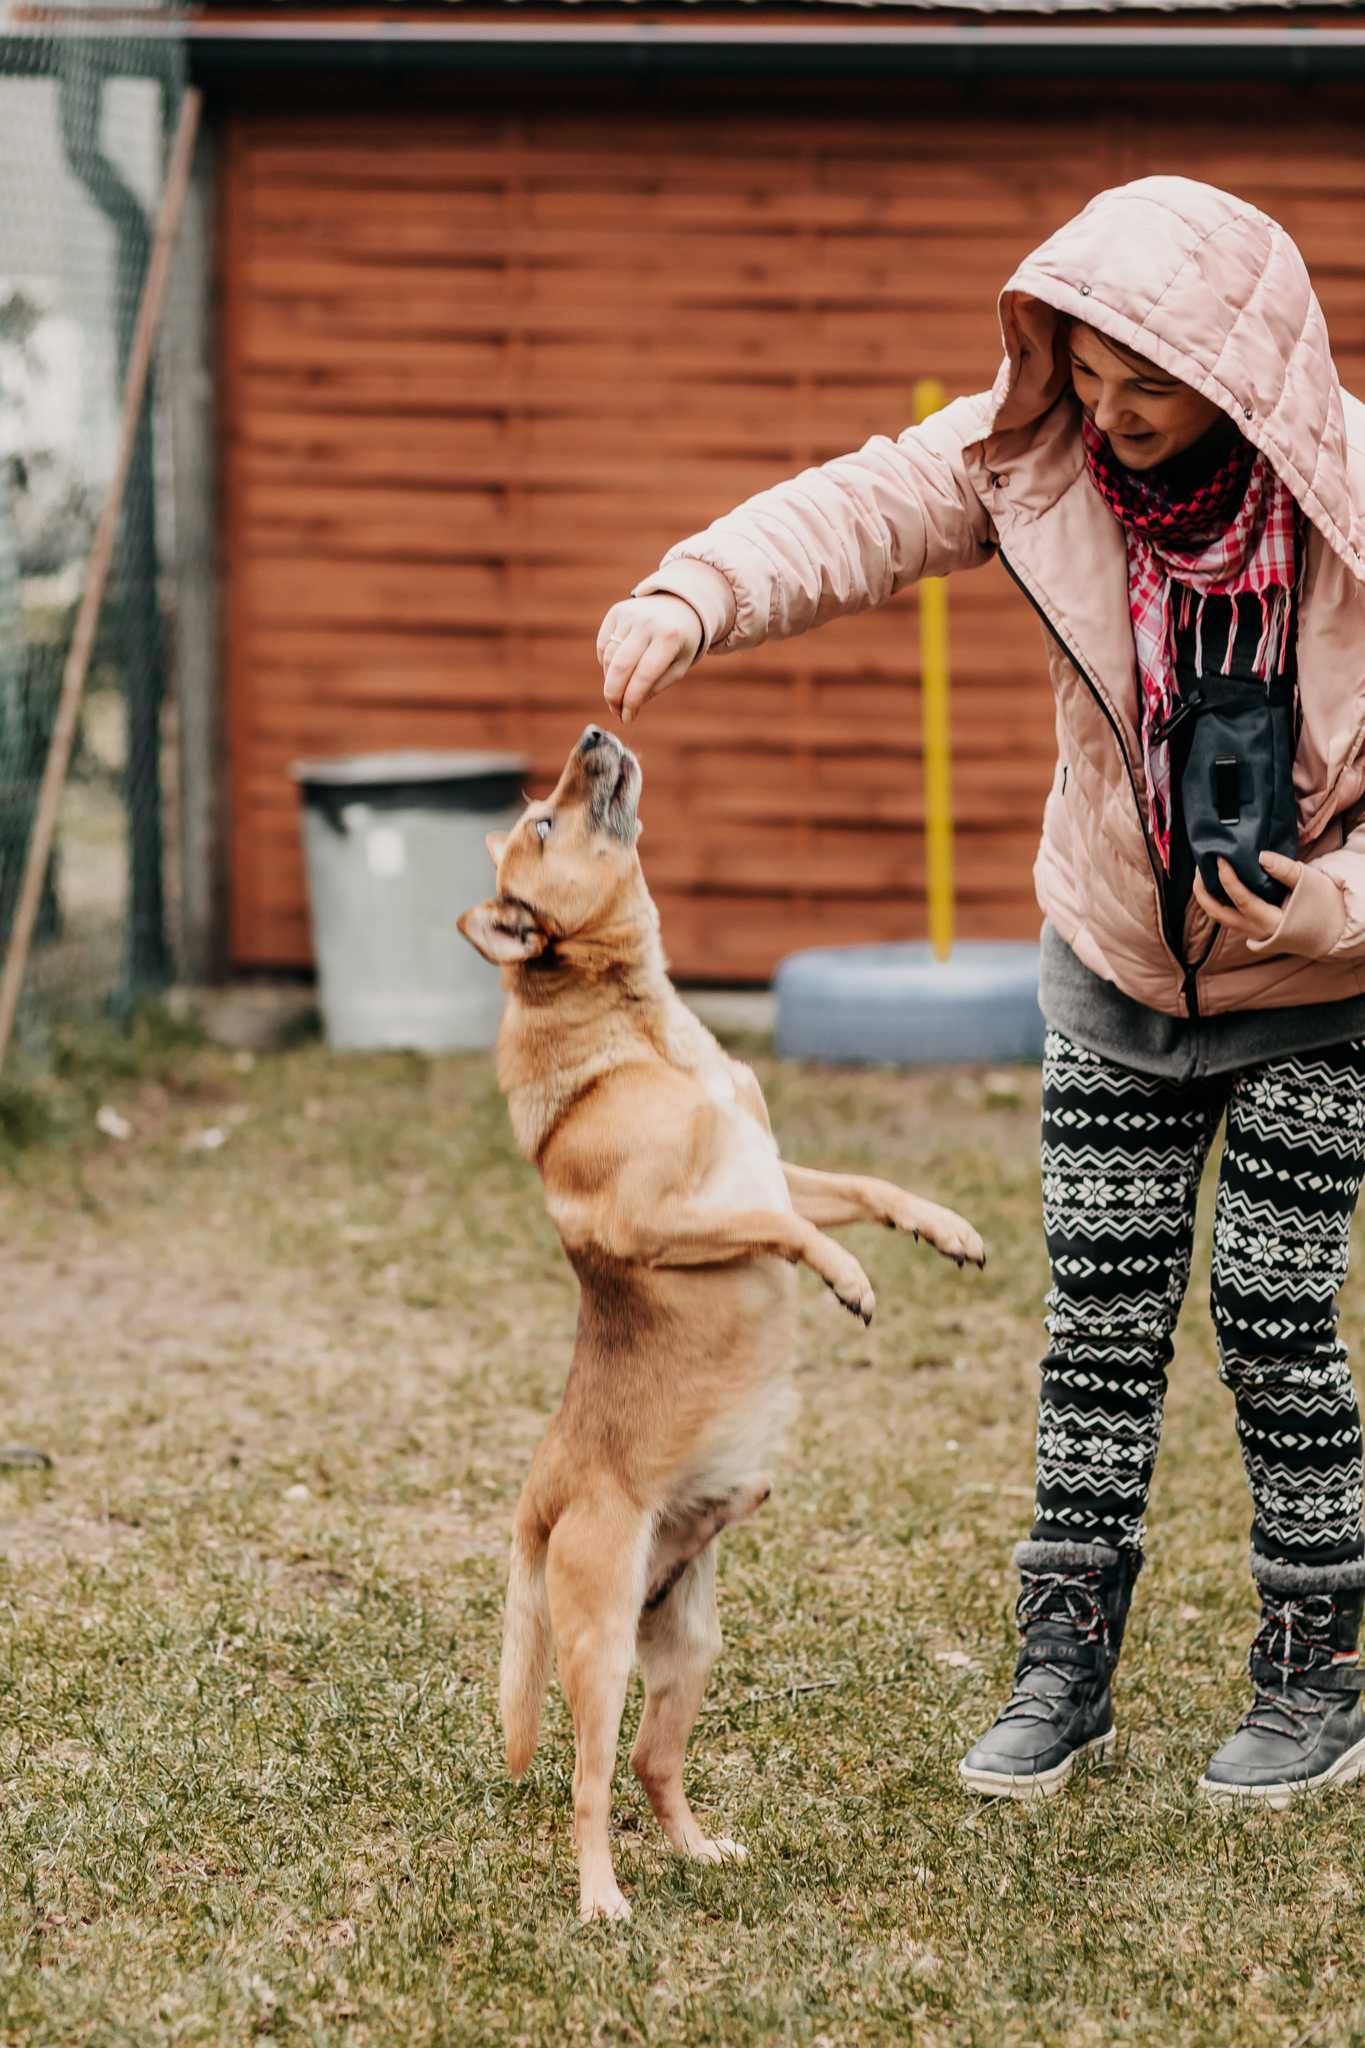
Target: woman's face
{"points": [[1145, 415]]}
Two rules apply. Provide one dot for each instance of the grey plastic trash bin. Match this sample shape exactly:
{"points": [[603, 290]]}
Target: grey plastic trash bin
{"points": [[394, 846]]}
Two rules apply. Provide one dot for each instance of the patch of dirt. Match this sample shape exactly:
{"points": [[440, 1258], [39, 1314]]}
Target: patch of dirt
{"points": [[445, 1531], [47, 1533], [306, 1574]]}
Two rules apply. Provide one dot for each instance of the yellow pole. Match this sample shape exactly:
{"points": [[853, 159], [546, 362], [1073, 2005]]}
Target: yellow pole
{"points": [[938, 787]]}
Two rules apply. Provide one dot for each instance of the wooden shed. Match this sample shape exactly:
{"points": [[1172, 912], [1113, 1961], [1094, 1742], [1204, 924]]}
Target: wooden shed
{"points": [[508, 301]]}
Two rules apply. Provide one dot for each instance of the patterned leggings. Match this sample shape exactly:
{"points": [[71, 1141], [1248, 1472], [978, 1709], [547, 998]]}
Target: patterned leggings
{"points": [[1122, 1159]]}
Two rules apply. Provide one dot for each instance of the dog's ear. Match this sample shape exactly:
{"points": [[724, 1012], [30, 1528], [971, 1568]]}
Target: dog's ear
{"points": [[496, 843], [504, 932]]}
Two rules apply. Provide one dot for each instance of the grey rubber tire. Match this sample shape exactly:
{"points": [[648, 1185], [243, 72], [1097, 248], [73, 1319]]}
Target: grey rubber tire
{"points": [[899, 1006]]}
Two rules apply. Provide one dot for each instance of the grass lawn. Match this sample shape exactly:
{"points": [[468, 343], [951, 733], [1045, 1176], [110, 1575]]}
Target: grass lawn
{"points": [[290, 1344]]}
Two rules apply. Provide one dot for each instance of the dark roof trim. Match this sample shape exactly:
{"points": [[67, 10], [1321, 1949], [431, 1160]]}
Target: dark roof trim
{"points": [[218, 51], [965, 51]]}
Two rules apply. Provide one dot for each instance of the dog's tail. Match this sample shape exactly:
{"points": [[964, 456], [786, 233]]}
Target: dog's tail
{"points": [[525, 1645]]}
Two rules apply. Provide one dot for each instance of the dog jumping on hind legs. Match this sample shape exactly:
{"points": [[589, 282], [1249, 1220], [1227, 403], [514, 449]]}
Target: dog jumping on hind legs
{"points": [[683, 1226]]}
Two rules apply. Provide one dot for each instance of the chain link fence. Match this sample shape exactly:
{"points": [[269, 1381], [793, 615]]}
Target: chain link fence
{"points": [[88, 103]]}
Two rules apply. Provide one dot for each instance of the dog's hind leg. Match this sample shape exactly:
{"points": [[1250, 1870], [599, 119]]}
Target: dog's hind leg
{"points": [[595, 1582], [679, 1641], [677, 1542]]}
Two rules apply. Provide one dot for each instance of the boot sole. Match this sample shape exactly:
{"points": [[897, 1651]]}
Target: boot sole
{"points": [[1047, 1784], [1344, 1771]]}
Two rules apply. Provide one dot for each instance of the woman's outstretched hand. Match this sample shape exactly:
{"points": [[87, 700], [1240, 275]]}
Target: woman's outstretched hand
{"points": [[1248, 915], [645, 644]]}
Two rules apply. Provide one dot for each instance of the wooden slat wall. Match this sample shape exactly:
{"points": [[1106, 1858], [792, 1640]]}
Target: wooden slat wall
{"points": [[479, 373]]}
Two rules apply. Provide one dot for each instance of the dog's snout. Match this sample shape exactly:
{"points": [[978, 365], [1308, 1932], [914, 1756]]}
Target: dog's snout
{"points": [[597, 746]]}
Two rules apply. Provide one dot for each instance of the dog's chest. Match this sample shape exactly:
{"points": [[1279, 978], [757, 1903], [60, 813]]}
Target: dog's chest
{"points": [[745, 1171]]}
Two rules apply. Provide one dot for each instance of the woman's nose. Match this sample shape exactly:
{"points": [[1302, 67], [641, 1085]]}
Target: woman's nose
{"points": [[1109, 410]]}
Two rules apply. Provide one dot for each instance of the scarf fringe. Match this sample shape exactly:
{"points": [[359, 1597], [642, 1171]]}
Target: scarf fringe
{"points": [[1271, 657]]}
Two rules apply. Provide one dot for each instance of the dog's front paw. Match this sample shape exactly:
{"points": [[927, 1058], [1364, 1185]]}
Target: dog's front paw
{"points": [[944, 1229], [851, 1286]]}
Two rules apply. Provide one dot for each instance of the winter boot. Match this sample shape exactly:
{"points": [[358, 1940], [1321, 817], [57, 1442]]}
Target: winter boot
{"points": [[1072, 1608], [1305, 1728]]}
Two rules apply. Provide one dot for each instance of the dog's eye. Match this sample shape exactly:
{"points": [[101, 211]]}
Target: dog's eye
{"points": [[543, 828]]}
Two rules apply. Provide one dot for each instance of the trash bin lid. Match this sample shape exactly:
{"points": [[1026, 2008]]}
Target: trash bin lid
{"points": [[406, 765]]}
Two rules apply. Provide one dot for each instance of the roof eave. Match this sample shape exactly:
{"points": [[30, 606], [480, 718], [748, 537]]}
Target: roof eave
{"points": [[962, 50]]}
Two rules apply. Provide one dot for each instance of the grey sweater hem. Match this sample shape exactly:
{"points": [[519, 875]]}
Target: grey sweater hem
{"points": [[1097, 1015]]}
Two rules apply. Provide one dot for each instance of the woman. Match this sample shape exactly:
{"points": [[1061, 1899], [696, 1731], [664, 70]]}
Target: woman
{"points": [[1170, 471]]}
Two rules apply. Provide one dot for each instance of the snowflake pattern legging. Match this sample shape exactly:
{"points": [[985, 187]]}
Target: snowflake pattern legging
{"points": [[1123, 1154]]}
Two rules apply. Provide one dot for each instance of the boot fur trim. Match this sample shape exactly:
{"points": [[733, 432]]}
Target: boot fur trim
{"points": [[1068, 1557], [1274, 1577]]}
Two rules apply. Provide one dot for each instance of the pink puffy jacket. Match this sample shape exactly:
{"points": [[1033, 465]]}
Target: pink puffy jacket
{"points": [[1218, 294]]}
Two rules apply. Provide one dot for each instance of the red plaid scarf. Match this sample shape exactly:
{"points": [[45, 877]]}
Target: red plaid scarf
{"points": [[1236, 535]]}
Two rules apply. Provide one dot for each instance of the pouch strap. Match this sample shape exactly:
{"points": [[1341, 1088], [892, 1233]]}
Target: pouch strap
{"points": [[1188, 707]]}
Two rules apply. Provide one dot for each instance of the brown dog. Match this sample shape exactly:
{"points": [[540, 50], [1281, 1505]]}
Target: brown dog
{"points": [[682, 1224]]}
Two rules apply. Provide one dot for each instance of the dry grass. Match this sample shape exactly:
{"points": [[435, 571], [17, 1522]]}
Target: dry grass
{"points": [[251, 1784]]}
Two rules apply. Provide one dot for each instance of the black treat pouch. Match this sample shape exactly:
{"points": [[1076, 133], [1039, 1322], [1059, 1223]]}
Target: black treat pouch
{"points": [[1232, 755]]}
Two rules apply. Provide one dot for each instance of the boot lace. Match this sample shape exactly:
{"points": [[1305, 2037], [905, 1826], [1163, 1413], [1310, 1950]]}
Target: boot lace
{"points": [[1293, 1642], [1070, 1599]]}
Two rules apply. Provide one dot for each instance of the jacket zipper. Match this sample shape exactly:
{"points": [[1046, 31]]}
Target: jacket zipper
{"points": [[1172, 939]]}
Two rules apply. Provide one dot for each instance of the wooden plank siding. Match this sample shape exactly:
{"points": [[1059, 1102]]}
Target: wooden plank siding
{"points": [[481, 371]]}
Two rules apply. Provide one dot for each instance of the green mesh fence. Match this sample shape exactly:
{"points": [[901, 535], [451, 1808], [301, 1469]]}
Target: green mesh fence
{"points": [[88, 105]]}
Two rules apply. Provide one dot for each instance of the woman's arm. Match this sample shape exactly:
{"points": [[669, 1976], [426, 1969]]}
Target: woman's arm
{"points": [[837, 539]]}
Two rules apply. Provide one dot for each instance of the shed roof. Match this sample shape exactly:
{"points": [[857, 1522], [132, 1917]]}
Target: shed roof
{"points": [[387, 10]]}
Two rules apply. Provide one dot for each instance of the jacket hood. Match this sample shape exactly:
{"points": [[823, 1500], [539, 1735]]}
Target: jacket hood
{"points": [[1215, 292]]}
